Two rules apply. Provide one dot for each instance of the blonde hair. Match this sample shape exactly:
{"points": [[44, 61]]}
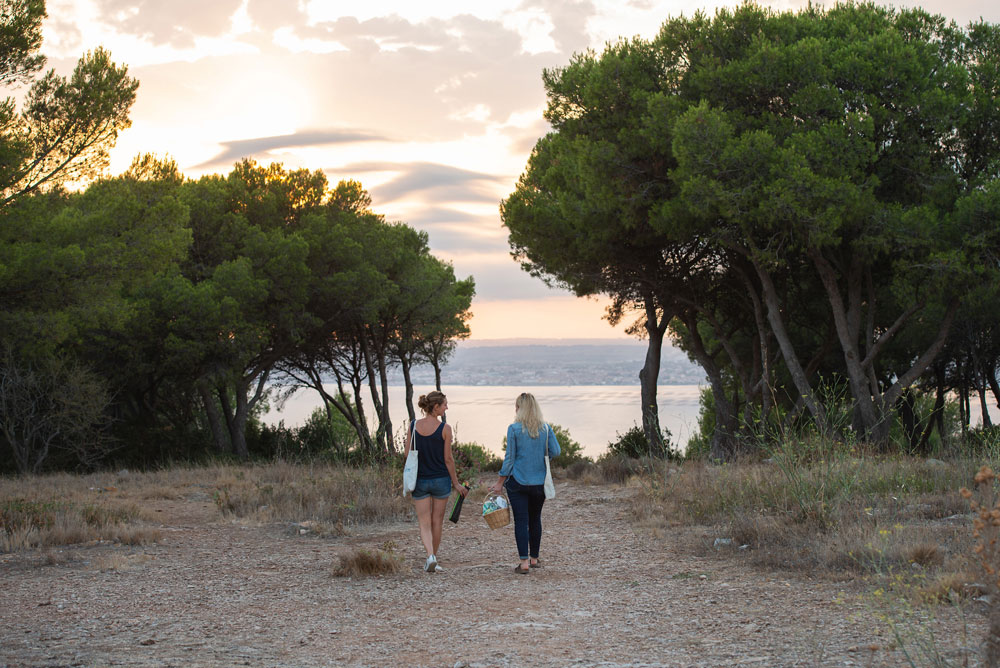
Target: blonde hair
{"points": [[528, 413], [427, 402]]}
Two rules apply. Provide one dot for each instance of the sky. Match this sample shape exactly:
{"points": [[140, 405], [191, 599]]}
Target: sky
{"points": [[434, 106]]}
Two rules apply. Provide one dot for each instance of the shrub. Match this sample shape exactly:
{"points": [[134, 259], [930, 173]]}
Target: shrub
{"points": [[367, 563], [58, 405], [323, 435], [699, 445], [633, 443], [570, 451], [474, 458], [618, 468]]}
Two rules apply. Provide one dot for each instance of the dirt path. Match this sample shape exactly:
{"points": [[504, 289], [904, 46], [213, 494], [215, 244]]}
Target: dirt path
{"points": [[217, 593]]}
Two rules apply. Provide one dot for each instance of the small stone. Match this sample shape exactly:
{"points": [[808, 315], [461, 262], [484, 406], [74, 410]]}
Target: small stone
{"points": [[147, 642]]}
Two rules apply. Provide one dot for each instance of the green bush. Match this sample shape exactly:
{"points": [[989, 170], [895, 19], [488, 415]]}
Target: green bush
{"points": [[321, 435], [472, 457], [699, 445], [634, 444], [570, 451]]}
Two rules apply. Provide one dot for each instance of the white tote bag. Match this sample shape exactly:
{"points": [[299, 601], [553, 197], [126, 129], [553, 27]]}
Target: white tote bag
{"points": [[550, 488], [410, 468]]}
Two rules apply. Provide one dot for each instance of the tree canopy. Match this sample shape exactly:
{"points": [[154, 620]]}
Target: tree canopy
{"points": [[790, 191]]}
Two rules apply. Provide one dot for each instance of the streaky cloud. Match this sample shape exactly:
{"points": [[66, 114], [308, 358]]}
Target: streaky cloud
{"points": [[447, 182], [245, 148]]}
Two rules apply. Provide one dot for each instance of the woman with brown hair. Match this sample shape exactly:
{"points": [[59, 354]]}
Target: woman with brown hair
{"points": [[435, 472], [529, 439]]}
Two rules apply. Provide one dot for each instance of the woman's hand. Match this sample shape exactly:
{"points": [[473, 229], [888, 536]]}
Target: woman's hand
{"points": [[462, 489], [497, 487]]}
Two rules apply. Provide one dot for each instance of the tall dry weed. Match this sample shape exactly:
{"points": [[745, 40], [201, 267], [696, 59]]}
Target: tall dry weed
{"points": [[368, 563], [984, 500], [330, 495]]}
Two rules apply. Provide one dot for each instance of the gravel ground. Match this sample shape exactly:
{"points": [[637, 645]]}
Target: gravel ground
{"points": [[216, 592]]}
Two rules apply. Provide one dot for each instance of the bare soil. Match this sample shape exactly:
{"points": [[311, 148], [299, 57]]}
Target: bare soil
{"points": [[218, 592]]}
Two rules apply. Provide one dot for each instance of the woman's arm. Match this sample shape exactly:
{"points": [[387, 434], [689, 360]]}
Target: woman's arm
{"points": [[508, 461], [553, 444], [449, 462]]}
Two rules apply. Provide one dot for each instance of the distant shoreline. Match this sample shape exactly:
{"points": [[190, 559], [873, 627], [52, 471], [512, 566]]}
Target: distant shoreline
{"points": [[488, 343]]}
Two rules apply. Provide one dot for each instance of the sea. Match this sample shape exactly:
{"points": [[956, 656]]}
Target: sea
{"points": [[593, 415], [588, 387]]}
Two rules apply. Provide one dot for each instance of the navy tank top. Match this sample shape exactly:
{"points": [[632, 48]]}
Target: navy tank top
{"points": [[430, 454]]}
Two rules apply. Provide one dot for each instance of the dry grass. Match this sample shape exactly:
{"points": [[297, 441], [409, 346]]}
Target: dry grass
{"points": [[327, 495], [368, 563], [65, 509], [841, 516], [611, 469], [30, 523]]}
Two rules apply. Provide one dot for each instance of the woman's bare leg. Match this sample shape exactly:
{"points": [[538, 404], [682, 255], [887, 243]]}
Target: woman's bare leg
{"points": [[437, 521], [423, 508]]}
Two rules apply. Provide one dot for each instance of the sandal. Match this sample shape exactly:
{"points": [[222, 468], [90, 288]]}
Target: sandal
{"points": [[537, 564], [521, 571]]}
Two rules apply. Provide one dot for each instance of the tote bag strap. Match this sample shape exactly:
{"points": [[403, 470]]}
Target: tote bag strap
{"points": [[413, 438]]}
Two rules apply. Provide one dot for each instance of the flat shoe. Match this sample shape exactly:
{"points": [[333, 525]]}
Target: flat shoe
{"points": [[521, 571], [537, 564]]}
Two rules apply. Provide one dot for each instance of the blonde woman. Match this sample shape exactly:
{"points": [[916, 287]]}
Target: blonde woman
{"points": [[523, 474], [435, 472]]}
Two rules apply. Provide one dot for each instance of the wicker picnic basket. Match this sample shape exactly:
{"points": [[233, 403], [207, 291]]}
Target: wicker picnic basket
{"points": [[498, 517]]}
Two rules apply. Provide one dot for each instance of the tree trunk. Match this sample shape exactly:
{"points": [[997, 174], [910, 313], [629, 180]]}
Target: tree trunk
{"points": [[723, 442], [437, 375], [983, 405], [373, 390], [339, 402], [846, 319], [936, 416], [788, 351], [390, 439], [244, 404], [649, 376], [211, 406], [227, 412], [991, 379], [238, 431], [405, 364]]}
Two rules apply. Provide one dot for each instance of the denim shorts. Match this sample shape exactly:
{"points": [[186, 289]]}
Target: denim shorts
{"points": [[439, 488]]}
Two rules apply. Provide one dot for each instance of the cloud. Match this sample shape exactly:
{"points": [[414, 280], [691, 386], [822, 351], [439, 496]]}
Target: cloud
{"points": [[176, 22], [269, 15], [523, 140], [569, 21], [431, 180], [244, 148], [498, 276]]}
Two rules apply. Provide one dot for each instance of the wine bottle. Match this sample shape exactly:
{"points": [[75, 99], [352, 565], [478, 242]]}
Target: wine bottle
{"points": [[456, 510]]}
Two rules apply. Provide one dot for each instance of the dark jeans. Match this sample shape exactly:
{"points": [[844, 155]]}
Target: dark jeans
{"points": [[526, 505]]}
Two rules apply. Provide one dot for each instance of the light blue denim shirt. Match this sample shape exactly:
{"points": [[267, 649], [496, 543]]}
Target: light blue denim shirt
{"points": [[525, 458]]}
